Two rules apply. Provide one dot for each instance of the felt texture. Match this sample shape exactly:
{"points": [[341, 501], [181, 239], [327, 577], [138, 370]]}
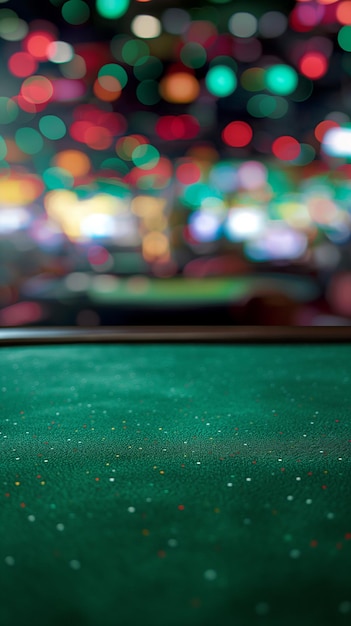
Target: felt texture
{"points": [[170, 485]]}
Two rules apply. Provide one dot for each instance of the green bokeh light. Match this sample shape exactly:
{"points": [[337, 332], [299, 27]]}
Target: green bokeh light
{"points": [[9, 21], [261, 105], [112, 9], [195, 195], [29, 140], [117, 71], [148, 92], [52, 127], [8, 110], [75, 12], [306, 156], [113, 163], [3, 148], [133, 50], [193, 55], [281, 79], [281, 108], [221, 81], [58, 178], [145, 156], [344, 38]]}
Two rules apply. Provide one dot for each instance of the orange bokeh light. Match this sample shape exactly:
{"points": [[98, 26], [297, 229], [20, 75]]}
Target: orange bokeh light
{"points": [[179, 87], [98, 137], [108, 89], [343, 12], [74, 161], [37, 89], [20, 189], [155, 246]]}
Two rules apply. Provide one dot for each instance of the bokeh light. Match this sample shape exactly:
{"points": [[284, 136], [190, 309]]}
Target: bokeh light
{"points": [[221, 81], [8, 110], [344, 38], [313, 65], [281, 79], [112, 9], [22, 64], [75, 12], [146, 26], [286, 148], [243, 25], [29, 140], [179, 87], [237, 134], [37, 89], [74, 161], [167, 139], [52, 127]]}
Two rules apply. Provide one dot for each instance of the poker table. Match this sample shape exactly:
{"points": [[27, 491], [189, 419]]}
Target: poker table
{"points": [[175, 476]]}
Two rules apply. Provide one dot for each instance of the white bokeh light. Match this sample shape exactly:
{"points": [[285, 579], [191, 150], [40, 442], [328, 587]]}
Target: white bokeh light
{"points": [[146, 26], [60, 52], [337, 142], [245, 223], [243, 25]]}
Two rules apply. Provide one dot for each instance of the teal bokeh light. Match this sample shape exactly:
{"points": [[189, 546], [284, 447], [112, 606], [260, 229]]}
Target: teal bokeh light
{"points": [[281, 79], [112, 9], [221, 81]]}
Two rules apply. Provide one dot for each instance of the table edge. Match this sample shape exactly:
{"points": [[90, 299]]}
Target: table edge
{"points": [[175, 334]]}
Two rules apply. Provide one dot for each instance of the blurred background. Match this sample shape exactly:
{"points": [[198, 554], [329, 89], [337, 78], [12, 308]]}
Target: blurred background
{"points": [[175, 162]]}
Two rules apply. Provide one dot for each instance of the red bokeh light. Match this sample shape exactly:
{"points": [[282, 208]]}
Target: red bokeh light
{"points": [[188, 173], [98, 137], [22, 64], [173, 127], [97, 255], [286, 148], [323, 127], [21, 313], [313, 65], [237, 134], [28, 106], [37, 44]]}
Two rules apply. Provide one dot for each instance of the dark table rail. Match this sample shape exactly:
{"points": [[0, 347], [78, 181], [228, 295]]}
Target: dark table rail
{"points": [[175, 334]]}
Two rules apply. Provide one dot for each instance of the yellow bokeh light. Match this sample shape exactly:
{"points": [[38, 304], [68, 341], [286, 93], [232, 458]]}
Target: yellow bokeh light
{"points": [[64, 207], [295, 214], [17, 190], [145, 206]]}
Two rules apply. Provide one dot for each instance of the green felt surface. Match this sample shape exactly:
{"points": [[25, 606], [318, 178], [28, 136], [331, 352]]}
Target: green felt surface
{"points": [[171, 485]]}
